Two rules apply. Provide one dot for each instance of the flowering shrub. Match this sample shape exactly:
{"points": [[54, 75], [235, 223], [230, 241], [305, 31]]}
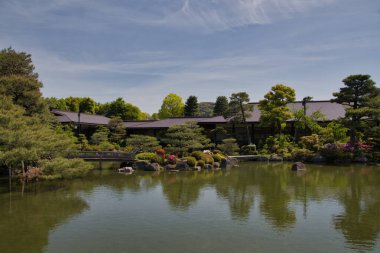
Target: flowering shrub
{"points": [[172, 159], [161, 152], [336, 153]]}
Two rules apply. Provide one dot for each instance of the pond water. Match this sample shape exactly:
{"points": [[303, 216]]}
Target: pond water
{"points": [[257, 207]]}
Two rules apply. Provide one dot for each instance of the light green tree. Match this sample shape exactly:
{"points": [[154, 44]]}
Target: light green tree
{"points": [[273, 108], [172, 106]]}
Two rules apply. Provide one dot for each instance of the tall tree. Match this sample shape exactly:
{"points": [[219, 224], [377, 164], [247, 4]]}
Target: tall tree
{"points": [[191, 108], [172, 106], [14, 63], [357, 92], [239, 110], [274, 111], [221, 106], [19, 81], [206, 109], [125, 111]]}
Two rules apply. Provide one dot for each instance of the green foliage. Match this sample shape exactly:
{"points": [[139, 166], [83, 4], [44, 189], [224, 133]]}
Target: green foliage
{"points": [[274, 111], [172, 106], [201, 163], [191, 161], [335, 153], [249, 150], [186, 137], [117, 130], [229, 146], [279, 144], [206, 158], [191, 108], [62, 168], [312, 142], [119, 108], [334, 133], [24, 91], [14, 63], [221, 106], [143, 143], [152, 157], [100, 135], [83, 142], [357, 94], [217, 158], [303, 155]]}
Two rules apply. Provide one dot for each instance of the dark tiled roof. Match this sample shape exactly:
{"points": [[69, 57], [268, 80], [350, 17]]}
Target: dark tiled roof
{"points": [[72, 117], [331, 111]]}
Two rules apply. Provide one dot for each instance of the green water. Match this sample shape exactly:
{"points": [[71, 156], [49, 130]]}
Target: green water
{"points": [[257, 207]]}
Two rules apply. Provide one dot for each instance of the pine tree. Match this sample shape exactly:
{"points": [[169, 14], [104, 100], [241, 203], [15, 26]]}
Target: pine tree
{"points": [[191, 107], [221, 106]]}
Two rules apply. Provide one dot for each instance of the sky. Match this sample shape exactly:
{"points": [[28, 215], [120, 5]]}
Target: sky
{"points": [[142, 50]]}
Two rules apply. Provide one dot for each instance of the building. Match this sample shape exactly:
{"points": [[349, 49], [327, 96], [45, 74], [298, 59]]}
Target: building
{"points": [[217, 128]]}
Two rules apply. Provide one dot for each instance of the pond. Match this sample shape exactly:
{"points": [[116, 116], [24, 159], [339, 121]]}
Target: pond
{"points": [[257, 207]]}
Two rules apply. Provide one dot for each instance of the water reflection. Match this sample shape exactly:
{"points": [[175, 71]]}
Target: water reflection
{"points": [[27, 220]]}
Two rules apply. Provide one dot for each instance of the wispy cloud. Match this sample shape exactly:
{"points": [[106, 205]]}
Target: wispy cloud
{"points": [[205, 14]]}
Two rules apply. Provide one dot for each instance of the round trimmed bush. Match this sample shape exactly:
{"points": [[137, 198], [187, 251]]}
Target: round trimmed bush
{"points": [[191, 161], [145, 156], [201, 163]]}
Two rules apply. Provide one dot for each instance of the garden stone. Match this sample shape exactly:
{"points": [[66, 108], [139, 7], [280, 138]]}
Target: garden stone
{"points": [[182, 166], [298, 166], [216, 165], [141, 165], [276, 158], [170, 167], [208, 167], [153, 167]]}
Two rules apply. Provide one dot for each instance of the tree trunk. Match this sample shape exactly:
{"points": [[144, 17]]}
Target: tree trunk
{"points": [[246, 125], [23, 169]]}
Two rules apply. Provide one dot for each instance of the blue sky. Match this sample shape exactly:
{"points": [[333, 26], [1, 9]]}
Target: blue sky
{"points": [[142, 50]]}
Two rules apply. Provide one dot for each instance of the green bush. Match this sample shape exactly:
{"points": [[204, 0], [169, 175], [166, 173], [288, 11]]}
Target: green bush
{"points": [[200, 163], [217, 158], [191, 161], [334, 153], [249, 150], [145, 156], [312, 142], [229, 146], [62, 168], [199, 155], [302, 155]]}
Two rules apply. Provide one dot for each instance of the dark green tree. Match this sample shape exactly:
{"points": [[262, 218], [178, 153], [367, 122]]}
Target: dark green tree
{"points": [[117, 130], [206, 109], [221, 106], [14, 63], [239, 110], [356, 94], [191, 108], [185, 138], [142, 143], [125, 111]]}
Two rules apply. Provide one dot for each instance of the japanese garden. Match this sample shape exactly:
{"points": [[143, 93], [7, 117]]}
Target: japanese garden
{"points": [[196, 168]]}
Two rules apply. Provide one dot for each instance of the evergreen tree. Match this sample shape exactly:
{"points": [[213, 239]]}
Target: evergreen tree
{"points": [[143, 143], [191, 108], [221, 106], [185, 138], [359, 90]]}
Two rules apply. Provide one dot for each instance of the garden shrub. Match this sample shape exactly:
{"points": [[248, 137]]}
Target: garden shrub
{"points": [[334, 153], [191, 161], [146, 156], [199, 155], [218, 158], [229, 146], [62, 168], [200, 163], [302, 155], [171, 159], [312, 142], [249, 150]]}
